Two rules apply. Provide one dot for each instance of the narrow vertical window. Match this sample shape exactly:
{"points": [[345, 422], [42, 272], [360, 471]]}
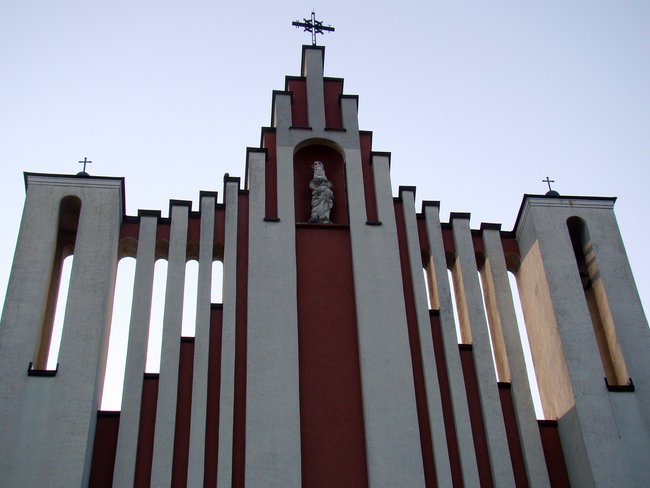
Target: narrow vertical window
{"points": [[119, 335], [454, 304], [47, 349], [188, 328], [525, 345], [216, 285], [597, 303], [498, 367], [156, 321]]}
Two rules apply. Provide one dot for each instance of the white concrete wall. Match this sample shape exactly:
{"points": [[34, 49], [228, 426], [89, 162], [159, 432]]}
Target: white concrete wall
{"points": [[432, 387], [47, 424], [471, 295], [228, 324], [457, 389], [163, 446], [604, 440], [196, 455], [136, 356], [497, 278]]}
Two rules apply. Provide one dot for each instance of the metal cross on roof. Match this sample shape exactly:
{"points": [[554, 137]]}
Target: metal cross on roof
{"points": [[85, 162], [314, 26], [548, 182]]}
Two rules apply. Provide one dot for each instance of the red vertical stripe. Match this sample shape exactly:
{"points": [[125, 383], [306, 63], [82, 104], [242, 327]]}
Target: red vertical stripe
{"points": [[183, 413], [333, 90], [331, 412], [144, 457], [368, 176], [214, 391], [105, 446], [298, 88], [514, 443], [416, 355]]}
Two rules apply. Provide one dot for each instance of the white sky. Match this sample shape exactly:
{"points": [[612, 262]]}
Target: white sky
{"points": [[477, 101]]}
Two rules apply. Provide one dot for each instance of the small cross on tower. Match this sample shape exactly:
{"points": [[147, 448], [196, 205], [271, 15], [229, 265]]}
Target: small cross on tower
{"points": [[314, 26], [84, 162], [548, 182]]}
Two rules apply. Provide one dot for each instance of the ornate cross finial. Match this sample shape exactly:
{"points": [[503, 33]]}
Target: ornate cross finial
{"points": [[548, 182], [84, 162], [314, 26]]}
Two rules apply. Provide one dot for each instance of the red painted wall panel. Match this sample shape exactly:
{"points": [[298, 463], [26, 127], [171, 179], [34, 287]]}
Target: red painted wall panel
{"points": [[144, 455], [239, 427], [183, 413], [447, 407], [298, 86], [476, 416], [331, 412], [333, 90], [514, 443], [553, 453], [416, 356], [104, 448], [368, 176], [270, 176], [214, 390]]}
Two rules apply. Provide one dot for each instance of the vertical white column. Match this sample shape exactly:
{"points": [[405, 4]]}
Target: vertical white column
{"points": [[495, 431], [432, 387], [462, 423], [227, 389], [497, 277], [313, 71], [127, 439], [163, 448], [272, 383], [391, 424], [196, 456]]}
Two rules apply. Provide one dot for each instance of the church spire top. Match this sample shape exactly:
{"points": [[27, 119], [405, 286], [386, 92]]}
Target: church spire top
{"points": [[314, 26]]}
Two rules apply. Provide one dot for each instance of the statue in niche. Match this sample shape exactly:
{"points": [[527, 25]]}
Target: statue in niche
{"points": [[322, 196]]}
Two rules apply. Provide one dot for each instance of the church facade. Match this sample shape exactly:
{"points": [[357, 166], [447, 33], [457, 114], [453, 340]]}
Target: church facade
{"points": [[334, 360]]}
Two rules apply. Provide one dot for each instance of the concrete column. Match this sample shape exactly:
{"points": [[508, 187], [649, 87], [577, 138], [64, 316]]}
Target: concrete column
{"points": [[471, 302], [163, 448], [127, 440], [282, 110], [434, 404], [196, 457], [272, 385], [497, 282], [391, 424], [227, 388], [313, 71], [47, 424], [450, 344]]}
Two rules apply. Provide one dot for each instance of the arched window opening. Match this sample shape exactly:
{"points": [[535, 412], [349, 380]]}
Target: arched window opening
{"points": [[525, 345], [216, 285], [56, 333], [429, 270], [154, 343], [190, 293], [597, 303], [47, 349], [119, 336], [454, 305]]}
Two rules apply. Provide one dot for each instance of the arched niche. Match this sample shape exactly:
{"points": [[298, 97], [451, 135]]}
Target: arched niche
{"points": [[334, 165]]}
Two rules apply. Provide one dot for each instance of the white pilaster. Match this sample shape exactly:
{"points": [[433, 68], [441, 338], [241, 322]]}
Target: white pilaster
{"points": [[272, 385], [227, 388], [462, 423], [127, 439], [196, 456], [432, 387], [392, 434], [531, 444], [163, 448], [495, 431], [313, 71]]}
